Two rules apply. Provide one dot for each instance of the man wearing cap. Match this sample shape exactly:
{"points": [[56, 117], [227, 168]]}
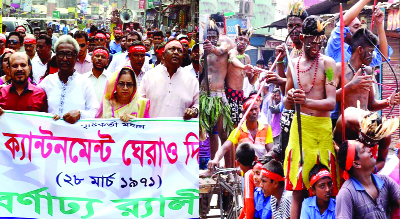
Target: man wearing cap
{"points": [[194, 67], [83, 61], [186, 56], [172, 92], [98, 75], [30, 45], [364, 195], [115, 44], [21, 95], [2, 43]]}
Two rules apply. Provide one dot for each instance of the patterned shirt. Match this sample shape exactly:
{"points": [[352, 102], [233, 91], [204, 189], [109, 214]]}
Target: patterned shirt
{"points": [[281, 210], [354, 202]]}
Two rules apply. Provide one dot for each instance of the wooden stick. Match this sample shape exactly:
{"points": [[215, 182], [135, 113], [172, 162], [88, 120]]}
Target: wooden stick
{"points": [[343, 69], [373, 16]]}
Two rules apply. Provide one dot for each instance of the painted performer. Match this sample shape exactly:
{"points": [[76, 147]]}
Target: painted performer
{"points": [[312, 86], [217, 119], [238, 69]]}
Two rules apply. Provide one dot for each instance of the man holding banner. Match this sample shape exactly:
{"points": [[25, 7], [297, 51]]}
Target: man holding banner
{"points": [[21, 95]]}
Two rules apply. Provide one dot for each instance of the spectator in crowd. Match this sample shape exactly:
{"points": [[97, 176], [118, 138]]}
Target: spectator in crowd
{"points": [[21, 95], [186, 56], [52, 37], [84, 61], [98, 75], [14, 41], [276, 109], [364, 195], [157, 38], [51, 68], [44, 54], [321, 204], [121, 99], [70, 94], [30, 45], [115, 44], [21, 30], [174, 93], [5, 74], [194, 67], [100, 39], [92, 44], [4, 28], [36, 32], [3, 39]]}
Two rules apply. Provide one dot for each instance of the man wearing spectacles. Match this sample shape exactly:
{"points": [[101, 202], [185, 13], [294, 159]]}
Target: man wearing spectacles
{"points": [[100, 39], [174, 93], [83, 61], [14, 41], [44, 54], [70, 94]]}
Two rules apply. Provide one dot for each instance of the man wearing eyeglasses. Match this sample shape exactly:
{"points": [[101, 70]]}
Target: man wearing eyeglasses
{"points": [[83, 61], [14, 41], [70, 95], [44, 54], [172, 92], [100, 39]]}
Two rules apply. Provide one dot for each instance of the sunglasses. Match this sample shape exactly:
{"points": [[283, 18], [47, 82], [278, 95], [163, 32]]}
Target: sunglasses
{"points": [[122, 85], [13, 41], [99, 39], [82, 45]]}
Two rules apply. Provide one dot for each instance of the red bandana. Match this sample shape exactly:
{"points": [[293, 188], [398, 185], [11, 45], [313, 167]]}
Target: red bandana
{"points": [[322, 173], [101, 51], [20, 29], [258, 166], [271, 175], [351, 154], [118, 31], [29, 41], [138, 48], [2, 38], [100, 35], [184, 41], [173, 43]]}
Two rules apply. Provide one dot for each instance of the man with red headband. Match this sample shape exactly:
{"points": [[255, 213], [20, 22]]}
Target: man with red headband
{"points": [[364, 195], [2, 43], [172, 92], [98, 75], [21, 30], [273, 184], [115, 44], [30, 45], [321, 204], [252, 131], [186, 56], [100, 39]]}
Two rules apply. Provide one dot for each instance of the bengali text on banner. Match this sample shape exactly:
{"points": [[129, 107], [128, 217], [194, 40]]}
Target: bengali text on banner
{"points": [[104, 168]]}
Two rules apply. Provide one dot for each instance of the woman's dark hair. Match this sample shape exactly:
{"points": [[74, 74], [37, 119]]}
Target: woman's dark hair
{"points": [[2, 73]]}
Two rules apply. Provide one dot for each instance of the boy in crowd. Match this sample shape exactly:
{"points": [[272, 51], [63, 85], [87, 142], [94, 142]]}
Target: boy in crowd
{"points": [[273, 184], [245, 156], [262, 204], [321, 205]]}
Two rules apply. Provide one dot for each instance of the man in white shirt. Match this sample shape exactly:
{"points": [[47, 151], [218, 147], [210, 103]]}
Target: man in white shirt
{"points": [[84, 61], [194, 67], [172, 92], [98, 75], [121, 59], [69, 94], [44, 54]]}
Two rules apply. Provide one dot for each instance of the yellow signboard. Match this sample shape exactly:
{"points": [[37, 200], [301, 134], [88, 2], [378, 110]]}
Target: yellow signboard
{"points": [[71, 9]]}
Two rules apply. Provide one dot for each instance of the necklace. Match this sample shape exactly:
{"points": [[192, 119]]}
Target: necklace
{"points": [[312, 64], [351, 68], [297, 52], [315, 73]]}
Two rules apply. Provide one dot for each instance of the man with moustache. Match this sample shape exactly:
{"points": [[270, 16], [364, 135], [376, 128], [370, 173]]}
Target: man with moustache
{"points": [[115, 44], [171, 91], [44, 54], [21, 95], [83, 61], [193, 68], [99, 75], [70, 94], [30, 46]]}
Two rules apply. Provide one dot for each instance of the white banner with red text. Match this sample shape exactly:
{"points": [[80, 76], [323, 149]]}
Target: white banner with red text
{"points": [[105, 168]]}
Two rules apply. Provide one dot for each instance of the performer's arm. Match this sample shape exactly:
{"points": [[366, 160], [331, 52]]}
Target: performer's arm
{"points": [[236, 63], [288, 99], [383, 45], [220, 153], [353, 12], [221, 50]]}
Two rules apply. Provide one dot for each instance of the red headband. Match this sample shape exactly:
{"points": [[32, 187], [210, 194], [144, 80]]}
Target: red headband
{"points": [[118, 31], [351, 154], [322, 173], [271, 175], [29, 41], [258, 166], [160, 51], [173, 43], [248, 102], [101, 51], [184, 41], [2, 38], [100, 35], [20, 28], [138, 48]]}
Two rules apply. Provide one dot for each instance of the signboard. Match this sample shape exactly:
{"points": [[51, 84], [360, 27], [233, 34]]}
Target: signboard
{"points": [[101, 168], [84, 6], [142, 4], [56, 14], [71, 9], [150, 4], [27, 7], [231, 23], [272, 44]]}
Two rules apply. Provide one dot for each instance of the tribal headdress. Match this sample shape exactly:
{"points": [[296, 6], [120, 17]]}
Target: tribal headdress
{"points": [[297, 9], [240, 32], [373, 127], [212, 26], [313, 26]]}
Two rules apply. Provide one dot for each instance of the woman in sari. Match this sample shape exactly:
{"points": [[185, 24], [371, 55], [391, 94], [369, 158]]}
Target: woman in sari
{"points": [[121, 99]]}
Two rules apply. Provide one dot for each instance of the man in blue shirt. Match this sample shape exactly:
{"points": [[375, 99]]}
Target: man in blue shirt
{"points": [[321, 205], [115, 44], [352, 24]]}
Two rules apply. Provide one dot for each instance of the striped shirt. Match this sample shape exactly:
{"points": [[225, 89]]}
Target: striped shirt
{"points": [[281, 210], [99, 83]]}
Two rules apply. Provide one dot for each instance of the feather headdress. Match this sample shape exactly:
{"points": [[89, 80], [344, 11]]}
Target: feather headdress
{"points": [[240, 32], [376, 127], [297, 9]]}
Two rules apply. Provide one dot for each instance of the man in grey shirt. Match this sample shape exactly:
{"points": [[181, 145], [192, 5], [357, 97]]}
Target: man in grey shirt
{"points": [[364, 195]]}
